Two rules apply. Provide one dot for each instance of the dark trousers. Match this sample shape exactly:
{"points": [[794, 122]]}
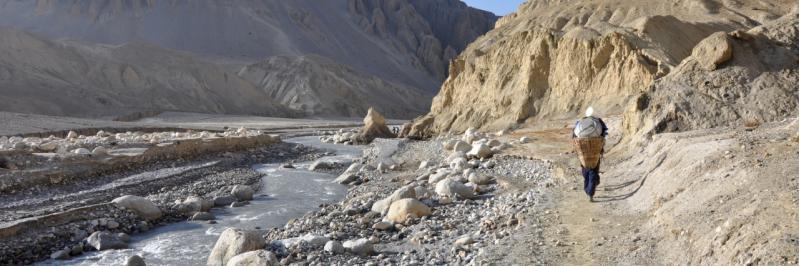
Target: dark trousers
{"points": [[591, 180]]}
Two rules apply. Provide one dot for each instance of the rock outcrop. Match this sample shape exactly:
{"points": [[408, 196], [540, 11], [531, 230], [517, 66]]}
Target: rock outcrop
{"points": [[374, 126], [729, 78], [552, 59]]}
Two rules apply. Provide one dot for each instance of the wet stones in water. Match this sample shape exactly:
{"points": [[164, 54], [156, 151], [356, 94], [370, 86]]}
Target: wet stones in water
{"points": [[238, 204], [242, 193], [322, 165], [61, 254], [233, 242], [224, 201], [202, 216], [287, 166], [105, 240], [123, 237], [135, 260]]}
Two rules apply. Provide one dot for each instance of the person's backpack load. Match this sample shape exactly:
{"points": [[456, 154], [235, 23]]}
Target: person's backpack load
{"points": [[588, 127], [589, 150]]}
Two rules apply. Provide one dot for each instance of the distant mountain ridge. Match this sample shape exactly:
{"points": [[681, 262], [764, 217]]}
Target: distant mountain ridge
{"points": [[412, 51]]}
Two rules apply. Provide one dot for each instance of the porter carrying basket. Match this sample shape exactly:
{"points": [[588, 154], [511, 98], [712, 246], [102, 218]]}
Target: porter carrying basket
{"points": [[589, 150]]}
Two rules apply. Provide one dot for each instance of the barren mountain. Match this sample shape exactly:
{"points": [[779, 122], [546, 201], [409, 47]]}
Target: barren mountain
{"points": [[552, 59], [77, 79], [409, 52]]}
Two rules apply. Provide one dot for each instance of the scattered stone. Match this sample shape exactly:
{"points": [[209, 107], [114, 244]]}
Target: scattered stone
{"points": [[361, 247], [383, 226], [202, 216], [76, 249], [480, 150], [524, 140], [451, 188], [462, 146], [242, 192], [254, 258], [81, 151], [406, 192], [112, 224], [463, 241], [321, 165], [143, 207], [135, 260], [105, 240], [72, 135], [123, 237], [401, 210], [233, 242], [60, 255], [334, 247], [237, 204], [99, 151], [224, 201], [194, 204]]}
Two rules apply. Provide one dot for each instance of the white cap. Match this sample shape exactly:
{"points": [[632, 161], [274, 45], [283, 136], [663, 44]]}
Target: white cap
{"points": [[589, 111]]}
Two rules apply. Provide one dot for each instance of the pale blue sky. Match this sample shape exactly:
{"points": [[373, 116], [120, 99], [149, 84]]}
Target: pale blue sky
{"points": [[499, 7]]}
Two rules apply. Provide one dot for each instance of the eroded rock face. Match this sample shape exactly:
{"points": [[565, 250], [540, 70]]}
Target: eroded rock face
{"points": [[552, 59], [233, 242], [730, 78]]}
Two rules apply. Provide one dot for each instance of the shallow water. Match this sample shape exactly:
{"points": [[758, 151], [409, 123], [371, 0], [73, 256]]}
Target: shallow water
{"points": [[285, 194]]}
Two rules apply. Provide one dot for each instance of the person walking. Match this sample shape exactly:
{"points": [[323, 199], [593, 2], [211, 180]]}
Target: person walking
{"points": [[589, 141]]}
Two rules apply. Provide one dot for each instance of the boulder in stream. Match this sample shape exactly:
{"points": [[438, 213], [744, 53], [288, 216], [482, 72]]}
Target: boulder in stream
{"points": [[233, 242]]}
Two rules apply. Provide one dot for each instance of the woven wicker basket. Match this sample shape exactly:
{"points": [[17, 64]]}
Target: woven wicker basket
{"points": [[589, 150]]}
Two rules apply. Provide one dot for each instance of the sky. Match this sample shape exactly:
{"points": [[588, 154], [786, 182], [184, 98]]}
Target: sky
{"points": [[499, 7]]}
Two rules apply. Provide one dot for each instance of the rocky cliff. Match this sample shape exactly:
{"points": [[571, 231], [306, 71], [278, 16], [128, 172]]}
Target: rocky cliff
{"points": [[408, 52], [552, 59]]}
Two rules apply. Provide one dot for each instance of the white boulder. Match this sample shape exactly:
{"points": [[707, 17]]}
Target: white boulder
{"points": [[401, 210], [242, 192], [253, 258], [406, 192], [361, 247], [451, 188], [143, 207], [233, 242]]}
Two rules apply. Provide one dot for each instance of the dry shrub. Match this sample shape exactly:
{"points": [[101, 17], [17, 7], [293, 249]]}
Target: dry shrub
{"points": [[751, 123]]}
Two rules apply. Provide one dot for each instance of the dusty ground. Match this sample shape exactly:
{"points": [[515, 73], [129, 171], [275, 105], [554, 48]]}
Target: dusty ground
{"points": [[725, 196]]}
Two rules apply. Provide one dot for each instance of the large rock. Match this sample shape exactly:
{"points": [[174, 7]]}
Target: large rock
{"points": [[334, 247], [451, 188], [194, 204], [105, 240], [713, 51], [401, 210], [144, 208], [242, 192], [233, 242], [254, 258], [480, 150], [321, 165], [135, 260], [374, 127], [462, 146], [406, 192], [361, 247]]}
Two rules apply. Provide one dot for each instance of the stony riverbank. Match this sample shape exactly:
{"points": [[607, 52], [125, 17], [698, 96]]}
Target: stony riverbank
{"points": [[441, 201], [58, 220]]}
